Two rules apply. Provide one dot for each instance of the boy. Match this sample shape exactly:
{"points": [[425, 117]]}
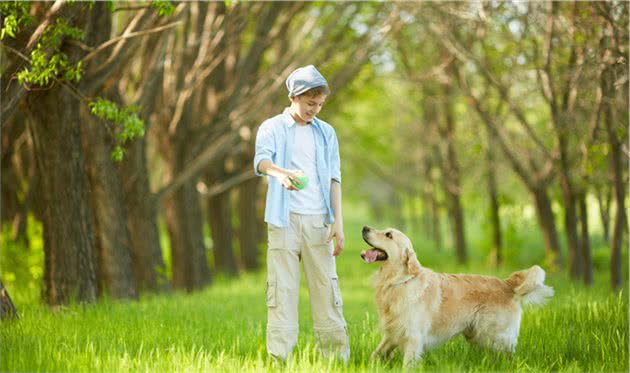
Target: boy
{"points": [[299, 221]]}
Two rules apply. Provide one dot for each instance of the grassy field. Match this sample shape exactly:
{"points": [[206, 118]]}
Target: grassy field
{"points": [[223, 328]]}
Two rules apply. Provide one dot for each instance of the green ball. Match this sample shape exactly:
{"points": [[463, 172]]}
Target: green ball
{"points": [[303, 182]]}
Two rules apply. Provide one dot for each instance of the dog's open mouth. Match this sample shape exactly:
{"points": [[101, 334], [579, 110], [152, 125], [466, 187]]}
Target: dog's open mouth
{"points": [[373, 255]]}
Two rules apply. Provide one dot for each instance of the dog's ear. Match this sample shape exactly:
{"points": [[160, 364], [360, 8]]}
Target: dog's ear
{"points": [[411, 262]]}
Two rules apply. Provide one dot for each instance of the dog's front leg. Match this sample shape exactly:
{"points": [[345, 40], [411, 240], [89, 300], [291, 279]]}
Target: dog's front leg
{"points": [[384, 348], [413, 352]]}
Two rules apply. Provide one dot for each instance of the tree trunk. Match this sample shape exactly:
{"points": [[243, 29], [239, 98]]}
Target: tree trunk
{"points": [[495, 218], [432, 203], [617, 166], [142, 220], [426, 222], [70, 260], [585, 242], [19, 179], [570, 226], [142, 204], [188, 252], [436, 225], [548, 226], [113, 243], [452, 187], [7, 308], [248, 225], [457, 221], [603, 201], [10, 181], [220, 221]]}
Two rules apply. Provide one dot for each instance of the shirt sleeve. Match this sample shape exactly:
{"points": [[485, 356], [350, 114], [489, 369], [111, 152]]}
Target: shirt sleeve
{"points": [[265, 146], [335, 164]]}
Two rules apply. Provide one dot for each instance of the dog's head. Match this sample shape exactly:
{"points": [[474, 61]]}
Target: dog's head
{"points": [[390, 246]]}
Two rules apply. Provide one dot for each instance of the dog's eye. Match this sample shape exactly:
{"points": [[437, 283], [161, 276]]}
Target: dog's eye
{"points": [[389, 235]]}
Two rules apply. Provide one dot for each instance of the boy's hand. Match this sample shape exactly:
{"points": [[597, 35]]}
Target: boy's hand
{"points": [[288, 176], [337, 233]]}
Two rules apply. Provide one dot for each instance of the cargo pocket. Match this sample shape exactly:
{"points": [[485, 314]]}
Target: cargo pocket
{"points": [[271, 294], [336, 292], [276, 237], [319, 233]]}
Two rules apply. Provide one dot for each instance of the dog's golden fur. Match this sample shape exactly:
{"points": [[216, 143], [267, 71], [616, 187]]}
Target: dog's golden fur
{"points": [[419, 308]]}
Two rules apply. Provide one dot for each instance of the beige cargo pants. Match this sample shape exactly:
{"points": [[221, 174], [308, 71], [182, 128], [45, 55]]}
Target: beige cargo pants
{"points": [[304, 239]]}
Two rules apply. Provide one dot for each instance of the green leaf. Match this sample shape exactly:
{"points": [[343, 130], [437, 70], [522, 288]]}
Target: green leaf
{"points": [[127, 124], [164, 7], [117, 153]]}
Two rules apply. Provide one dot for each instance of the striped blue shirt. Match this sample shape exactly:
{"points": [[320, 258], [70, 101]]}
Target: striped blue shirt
{"points": [[274, 141]]}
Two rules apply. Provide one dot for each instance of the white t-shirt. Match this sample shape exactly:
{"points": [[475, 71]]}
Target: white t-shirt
{"points": [[308, 201]]}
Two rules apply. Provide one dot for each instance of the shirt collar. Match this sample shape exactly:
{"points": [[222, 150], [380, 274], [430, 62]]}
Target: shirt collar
{"points": [[290, 121]]}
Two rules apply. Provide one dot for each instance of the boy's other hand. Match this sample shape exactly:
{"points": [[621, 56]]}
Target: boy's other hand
{"points": [[337, 233]]}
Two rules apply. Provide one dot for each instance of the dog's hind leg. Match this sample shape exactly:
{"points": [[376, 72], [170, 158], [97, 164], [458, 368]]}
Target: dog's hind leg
{"points": [[497, 330], [384, 349]]}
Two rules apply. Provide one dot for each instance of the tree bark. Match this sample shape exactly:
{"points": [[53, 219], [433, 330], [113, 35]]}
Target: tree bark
{"points": [[248, 225], [547, 225], [495, 217], [570, 225], [604, 195], [10, 180], [142, 220], [141, 203], [70, 260], [7, 308], [188, 252], [620, 224], [18, 180], [436, 225], [220, 221], [431, 203], [113, 243], [452, 187], [585, 242]]}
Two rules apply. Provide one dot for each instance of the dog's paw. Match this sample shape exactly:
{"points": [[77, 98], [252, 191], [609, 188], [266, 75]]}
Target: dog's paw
{"points": [[374, 356]]}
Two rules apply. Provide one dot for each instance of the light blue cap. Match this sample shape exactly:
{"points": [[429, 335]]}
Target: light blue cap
{"points": [[303, 79]]}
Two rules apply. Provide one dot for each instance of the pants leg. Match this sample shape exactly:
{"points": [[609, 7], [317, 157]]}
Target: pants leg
{"points": [[283, 283], [321, 276]]}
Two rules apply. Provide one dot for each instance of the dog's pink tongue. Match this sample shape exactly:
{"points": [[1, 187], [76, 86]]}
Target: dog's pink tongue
{"points": [[370, 256]]}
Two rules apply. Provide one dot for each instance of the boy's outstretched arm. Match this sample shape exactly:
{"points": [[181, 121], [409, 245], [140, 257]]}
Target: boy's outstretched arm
{"points": [[283, 175]]}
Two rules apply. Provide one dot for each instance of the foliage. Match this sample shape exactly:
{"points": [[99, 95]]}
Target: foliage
{"points": [[15, 15], [48, 62], [128, 125], [22, 264], [164, 7]]}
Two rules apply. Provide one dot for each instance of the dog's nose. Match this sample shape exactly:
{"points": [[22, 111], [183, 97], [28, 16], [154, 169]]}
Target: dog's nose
{"points": [[366, 229]]}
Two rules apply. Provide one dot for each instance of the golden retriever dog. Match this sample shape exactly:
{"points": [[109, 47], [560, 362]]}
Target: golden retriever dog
{"points": [[420, 309]]}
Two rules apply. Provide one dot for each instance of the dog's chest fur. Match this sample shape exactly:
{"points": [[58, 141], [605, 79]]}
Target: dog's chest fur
{"points": [[394, 300], [412, 308]]}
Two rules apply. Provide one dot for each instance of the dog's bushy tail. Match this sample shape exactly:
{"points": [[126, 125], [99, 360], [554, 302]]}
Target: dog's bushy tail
{"points": [[529, 285]]}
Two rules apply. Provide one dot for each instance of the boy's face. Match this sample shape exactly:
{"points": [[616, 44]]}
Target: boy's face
{"points": [[307, 107]]}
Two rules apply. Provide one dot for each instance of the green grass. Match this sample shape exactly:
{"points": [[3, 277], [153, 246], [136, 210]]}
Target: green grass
{"points": [[223, 328]]}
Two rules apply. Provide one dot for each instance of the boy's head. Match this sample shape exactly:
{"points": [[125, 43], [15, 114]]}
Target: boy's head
{"points": [[307, 91]]}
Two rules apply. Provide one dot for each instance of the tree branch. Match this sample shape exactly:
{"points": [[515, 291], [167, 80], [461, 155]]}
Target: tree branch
{"points": [[95, 51]]}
